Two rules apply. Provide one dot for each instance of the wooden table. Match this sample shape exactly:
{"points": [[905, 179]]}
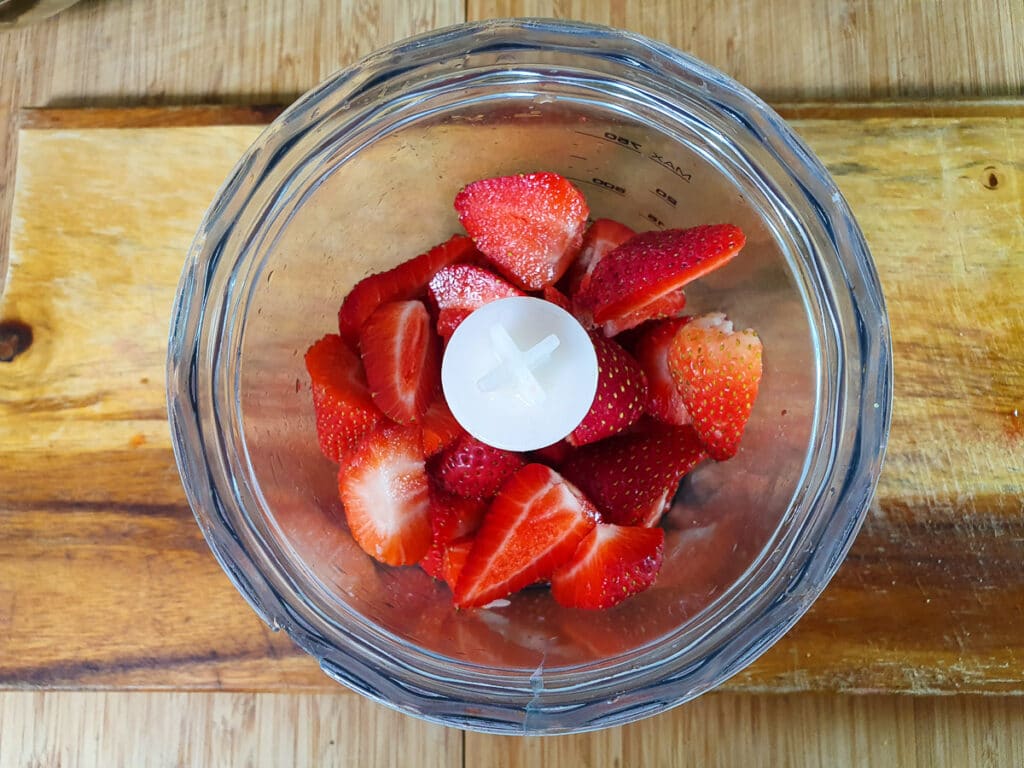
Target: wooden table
{"points": [[158, 52]]}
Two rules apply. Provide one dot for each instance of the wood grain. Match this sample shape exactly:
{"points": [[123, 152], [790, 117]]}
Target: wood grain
{"points": [[48, 730], [94, 523], [810, 731]]}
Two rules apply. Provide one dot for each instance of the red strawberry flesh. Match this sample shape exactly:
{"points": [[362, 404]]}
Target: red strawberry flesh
{"points": [[534, 525], [663, 399], [611, 564], [530, 226], [402, 360], [461, 288], [344, 410], [652, 264], [406, 281]]}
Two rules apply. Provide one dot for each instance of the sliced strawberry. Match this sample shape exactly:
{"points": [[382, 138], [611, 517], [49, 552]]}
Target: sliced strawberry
{"points": [[451, 517], [440, 429], [454, 560], [344, 410], [652, 264], [621, 394], [461, 288], [631, 477], [475, 470], [671, 305], [717, 371], [557, 298], [386, 496], [406, 281], [534, 525], [663, 399], [530, 226], [612, 563], [601, 237], [401, 357]]}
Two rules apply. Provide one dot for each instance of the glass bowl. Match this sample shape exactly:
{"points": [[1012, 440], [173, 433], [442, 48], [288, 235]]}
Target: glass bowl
{"points": [[360, 174]]}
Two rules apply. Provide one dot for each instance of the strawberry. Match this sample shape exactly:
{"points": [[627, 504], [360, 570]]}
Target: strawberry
{"points": [[663, 399], [533, 526], [612, 563], [717, 371], [645, 268], [631, 477], [475, 470], [386, 496], [530, 226], [459, 289], [401, 358], [406, 281], [454, 560], [557, 298], [621, 394], [669, 306], [440, 429], [601, 237], [344, 410], [553, 454], [451, 517]]}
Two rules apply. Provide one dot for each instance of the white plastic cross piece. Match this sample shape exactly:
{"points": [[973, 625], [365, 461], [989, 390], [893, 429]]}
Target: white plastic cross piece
{"points": [[519, 373]]}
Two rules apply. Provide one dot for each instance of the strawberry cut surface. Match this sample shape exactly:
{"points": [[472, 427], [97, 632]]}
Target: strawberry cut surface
{"points": [[612, 563], [406, 281], [530, 226], [628, 476], [386, 496], [402, 360], [344, 410], [718, 373], [601, 237], [461, 288], [664, 402], [650, 265], [534, 525]]}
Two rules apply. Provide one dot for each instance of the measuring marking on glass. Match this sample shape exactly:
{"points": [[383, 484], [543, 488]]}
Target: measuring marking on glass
{"points": [[605, 185], [519, 373], [664, 196], [616, 139]]}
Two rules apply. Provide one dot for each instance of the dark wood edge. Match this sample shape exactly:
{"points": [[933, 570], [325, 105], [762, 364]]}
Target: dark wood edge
{"points": [[147, 117]]}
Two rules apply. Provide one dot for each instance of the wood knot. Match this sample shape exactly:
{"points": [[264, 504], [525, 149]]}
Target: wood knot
{"points": [[15, 338], [990, 178]]}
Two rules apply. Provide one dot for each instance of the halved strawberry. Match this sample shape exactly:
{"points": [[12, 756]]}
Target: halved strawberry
{"points": [[401, 357], [534, 525], [718, 372], [386, 496], [406, 281], [671, 305], [451, 518], [612, 563], [530, 226], [621, 394], [454, 560], [631, 477], [461, 288], [601, 237], [663, 399], [440, 429], [344, 410], [475, 470], [645, 268], [557, 298]]}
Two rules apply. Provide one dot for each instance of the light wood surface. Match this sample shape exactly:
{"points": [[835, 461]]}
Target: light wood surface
{"points": [[118, 52], [919, 606]]}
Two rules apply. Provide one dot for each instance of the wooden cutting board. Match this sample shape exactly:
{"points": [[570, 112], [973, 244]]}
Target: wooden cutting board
{"points": [[105, 580]]}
